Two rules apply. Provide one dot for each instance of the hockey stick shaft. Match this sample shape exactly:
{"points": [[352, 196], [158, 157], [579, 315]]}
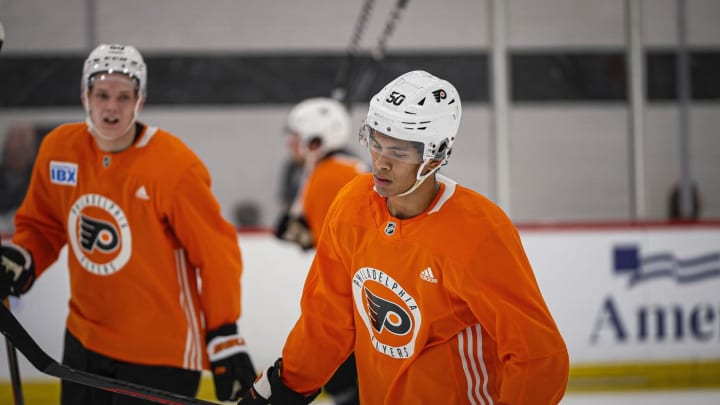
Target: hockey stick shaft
{"points": [[15, 381], [377, 55], [341, 90], [13, 330], [14, 368]]}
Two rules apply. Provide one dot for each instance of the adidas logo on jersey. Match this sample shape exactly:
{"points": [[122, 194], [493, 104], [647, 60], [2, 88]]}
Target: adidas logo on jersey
{"points": [[428, 275], [141, 193]]}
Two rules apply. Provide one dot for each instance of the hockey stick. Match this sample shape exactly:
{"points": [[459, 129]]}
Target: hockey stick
{"points": [[11, 328], [377, 55], [14, 368], [340, 92], [15, 381]]}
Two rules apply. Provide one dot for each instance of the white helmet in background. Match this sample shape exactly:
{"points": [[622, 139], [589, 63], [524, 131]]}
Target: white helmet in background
{"points": [[417, 107], [323, 118], [115, 58]]}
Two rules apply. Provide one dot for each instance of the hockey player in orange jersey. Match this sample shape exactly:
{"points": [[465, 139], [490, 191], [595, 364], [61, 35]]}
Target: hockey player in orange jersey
{"points": [[426, 280], [144, 234], [319, 129]]}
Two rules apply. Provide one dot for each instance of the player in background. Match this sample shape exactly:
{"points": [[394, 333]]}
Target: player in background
{"points": [[425, 280], [319, 130], [154, 268], [16, 160]]}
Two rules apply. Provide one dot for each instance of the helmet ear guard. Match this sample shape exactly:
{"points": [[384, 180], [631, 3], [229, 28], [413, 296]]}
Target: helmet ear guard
{"points": [[441, 151]]}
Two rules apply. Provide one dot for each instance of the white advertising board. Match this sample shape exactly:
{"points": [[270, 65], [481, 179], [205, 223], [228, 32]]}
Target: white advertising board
{"points": [[619, 294]]}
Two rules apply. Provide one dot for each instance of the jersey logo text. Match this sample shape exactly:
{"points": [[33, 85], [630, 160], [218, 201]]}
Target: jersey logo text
{"points": [[390, 314], [99, 234], [63, 173]]}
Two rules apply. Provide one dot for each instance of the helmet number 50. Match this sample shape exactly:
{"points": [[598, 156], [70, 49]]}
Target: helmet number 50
{"points": [[395, 98]]}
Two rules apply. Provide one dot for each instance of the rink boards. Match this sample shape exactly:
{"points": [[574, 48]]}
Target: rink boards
{"points": [[638, 305]]}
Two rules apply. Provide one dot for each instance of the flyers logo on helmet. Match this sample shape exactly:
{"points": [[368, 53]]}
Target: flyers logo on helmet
{"points": [[439, 94], [389, 312], [99, 234]]}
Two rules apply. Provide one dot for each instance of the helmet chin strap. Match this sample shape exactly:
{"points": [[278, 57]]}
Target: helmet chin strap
{"points": [[420, 178]]}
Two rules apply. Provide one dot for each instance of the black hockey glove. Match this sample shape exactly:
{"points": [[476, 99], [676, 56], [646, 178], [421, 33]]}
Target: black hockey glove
{"points": [[17, 270], [233, 371], [295, 229], [269, 389]]}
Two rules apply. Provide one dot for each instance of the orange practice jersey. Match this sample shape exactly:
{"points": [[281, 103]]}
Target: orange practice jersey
{"points": [[442, 308], [141, 225], [323, 184]]}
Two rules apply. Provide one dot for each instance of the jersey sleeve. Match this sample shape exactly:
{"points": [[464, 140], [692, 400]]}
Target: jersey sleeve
{"points": [[510, 307], [211, 244], [38, 225], [324, 335]]}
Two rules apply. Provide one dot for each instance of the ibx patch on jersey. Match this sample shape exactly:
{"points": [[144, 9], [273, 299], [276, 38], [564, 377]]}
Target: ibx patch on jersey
{"points": [[63, 173]]}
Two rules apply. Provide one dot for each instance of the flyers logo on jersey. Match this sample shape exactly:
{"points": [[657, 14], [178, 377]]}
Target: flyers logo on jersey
{"points": [[99, 234], [389, 312], [64, 173], [385, 314]]}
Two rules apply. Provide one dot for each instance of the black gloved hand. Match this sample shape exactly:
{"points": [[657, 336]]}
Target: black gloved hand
{"points": [[270, 389], [298, 231], [233, 371], [17, 270]]}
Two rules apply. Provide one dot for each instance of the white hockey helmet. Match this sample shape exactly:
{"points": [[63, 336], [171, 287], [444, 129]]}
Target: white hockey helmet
{"points": [[323, 118], [116, 58], [417, 107]]}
